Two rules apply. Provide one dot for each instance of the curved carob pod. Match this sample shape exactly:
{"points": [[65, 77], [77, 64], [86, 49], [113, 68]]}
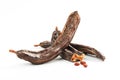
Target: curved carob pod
{"points": [[88, 50], [54, 50]]}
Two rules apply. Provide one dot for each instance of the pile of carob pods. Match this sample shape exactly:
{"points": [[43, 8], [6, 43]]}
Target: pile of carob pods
{"points": [[60, 45]]}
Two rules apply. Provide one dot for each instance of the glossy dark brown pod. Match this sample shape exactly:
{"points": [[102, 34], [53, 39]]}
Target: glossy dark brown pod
{"points": [[54, 50], [88, 50]]}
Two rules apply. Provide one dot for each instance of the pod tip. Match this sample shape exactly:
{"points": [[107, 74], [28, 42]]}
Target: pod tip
{"points": [[12, 51]]}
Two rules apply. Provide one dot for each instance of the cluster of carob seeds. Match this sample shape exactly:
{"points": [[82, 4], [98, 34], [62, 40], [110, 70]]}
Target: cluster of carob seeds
{"points": [[60, 45]]}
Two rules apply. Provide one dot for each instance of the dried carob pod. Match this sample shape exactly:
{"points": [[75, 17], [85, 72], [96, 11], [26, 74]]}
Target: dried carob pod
{"points": [[88, 50], [55, 49], [67, 53]]}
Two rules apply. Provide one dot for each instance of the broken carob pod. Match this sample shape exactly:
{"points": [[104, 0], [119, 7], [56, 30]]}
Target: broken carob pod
{"points": [[55, 49], [81, 48], [88, 51]]}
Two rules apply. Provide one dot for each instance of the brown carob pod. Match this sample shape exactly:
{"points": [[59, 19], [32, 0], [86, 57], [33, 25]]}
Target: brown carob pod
{"points": [[88, 50], [55, 49]]}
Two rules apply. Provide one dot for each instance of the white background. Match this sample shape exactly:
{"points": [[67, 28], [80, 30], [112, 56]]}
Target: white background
{"points": [[24, 23]]}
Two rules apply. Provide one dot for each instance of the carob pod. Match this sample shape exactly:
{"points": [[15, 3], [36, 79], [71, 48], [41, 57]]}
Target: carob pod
{"points": [[88, 50], [54, 50], [67, 53]]}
